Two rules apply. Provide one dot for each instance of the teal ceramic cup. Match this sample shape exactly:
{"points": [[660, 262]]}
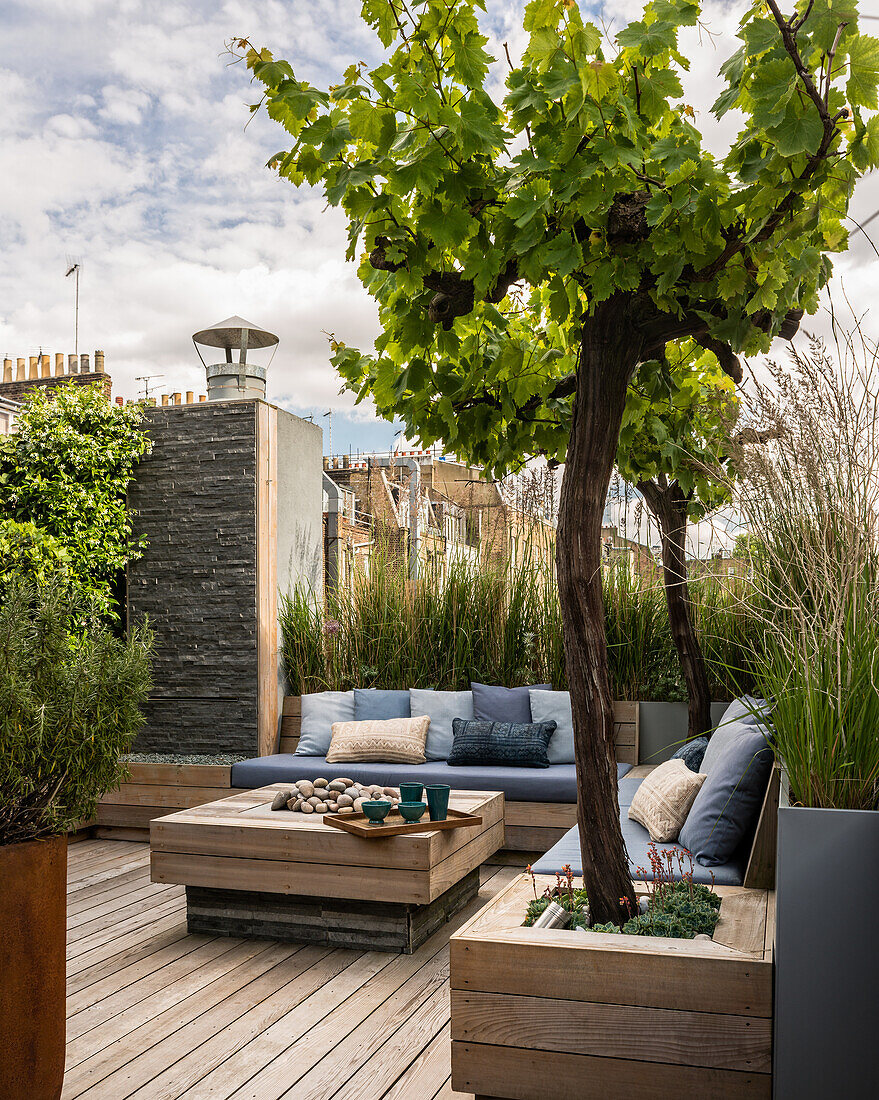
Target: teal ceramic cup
{"points": [[437, 795], [411, 792], [411, 811], [376, 810]]}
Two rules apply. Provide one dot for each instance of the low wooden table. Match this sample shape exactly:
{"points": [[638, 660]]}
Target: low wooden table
{"points": [[253, 871]]}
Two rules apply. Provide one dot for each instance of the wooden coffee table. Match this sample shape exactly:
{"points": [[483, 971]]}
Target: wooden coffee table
{"points": [[253, 871]]}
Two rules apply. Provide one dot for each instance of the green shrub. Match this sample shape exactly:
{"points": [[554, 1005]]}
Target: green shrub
{"points": [[66, 469], [29, 551], [70, 699]]}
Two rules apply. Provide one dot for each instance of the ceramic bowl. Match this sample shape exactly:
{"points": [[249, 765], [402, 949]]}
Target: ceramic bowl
{"points": [[412, 811], [376, 810]]}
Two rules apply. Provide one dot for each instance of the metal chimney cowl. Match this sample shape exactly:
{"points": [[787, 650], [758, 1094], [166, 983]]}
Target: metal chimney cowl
{"points": [[231, 380]]}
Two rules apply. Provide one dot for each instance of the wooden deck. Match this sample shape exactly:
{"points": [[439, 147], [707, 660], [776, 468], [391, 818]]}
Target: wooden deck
{"points": [[155, 1013]]}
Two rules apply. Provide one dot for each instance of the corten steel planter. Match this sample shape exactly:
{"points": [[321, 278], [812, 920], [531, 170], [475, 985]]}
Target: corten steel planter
{"points": [[33, 942]]}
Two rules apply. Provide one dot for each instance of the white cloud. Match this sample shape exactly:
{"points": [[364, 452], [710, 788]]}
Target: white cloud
{"points": [[123, 141]]}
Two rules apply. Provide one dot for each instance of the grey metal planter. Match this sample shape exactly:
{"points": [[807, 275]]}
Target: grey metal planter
{"points": [[827, 957], [663, 728]]}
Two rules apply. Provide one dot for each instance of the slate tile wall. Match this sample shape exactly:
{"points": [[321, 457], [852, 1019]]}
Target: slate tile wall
{"points": [[195, 498]]}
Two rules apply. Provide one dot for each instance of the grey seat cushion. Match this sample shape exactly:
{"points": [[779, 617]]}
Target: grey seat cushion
{"points": [[737, 764], [503, 704], [567, 850], [440, 707], [379, 704], [320, 710], [557, 783]]}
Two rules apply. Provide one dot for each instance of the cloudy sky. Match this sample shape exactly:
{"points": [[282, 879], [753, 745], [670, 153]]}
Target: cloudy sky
{"points": [[123, 145]]}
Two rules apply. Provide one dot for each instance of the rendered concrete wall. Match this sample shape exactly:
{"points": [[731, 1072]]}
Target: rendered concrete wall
{"points": [[299, 509], [663, 729]]}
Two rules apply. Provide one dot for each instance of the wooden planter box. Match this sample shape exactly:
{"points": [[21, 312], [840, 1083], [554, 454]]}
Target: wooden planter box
{"points": [[575, 1015], [155, 790]]}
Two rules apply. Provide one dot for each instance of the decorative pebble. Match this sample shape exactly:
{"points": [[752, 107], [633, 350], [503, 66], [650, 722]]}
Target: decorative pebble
{"points": [[321, 783], [346, 810], [295, 803], [313, 801], [344, 779], [306, 788], [279, 802], [358, 805], [390, 792], [307, 808], [345, 800], [320, 808], [337, 785]]}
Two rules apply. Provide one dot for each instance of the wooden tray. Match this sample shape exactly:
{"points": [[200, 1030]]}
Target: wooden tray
{"points": [[394, 825]]}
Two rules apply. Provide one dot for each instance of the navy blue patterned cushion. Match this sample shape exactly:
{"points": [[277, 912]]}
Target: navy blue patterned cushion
{"points": [[514, 744], [692, 753]]}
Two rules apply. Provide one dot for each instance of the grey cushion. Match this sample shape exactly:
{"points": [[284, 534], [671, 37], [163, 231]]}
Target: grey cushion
{"points": [[553, 784], [737, 763], [567, 850], [506, 744], [379, 704], [692, 753], [440, 707], [502, 704], [319, 711], [555, 706], [748, 709]]}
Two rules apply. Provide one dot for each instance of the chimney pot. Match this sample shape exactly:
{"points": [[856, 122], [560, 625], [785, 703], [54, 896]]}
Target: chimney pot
{"points": [[190, 397], [7, 370], [176, 398], [59, 364], [45, 369], [164, 399], [119, 402], [202, 397], [20, 370], [72, 364], [84, 363], [33, 367], [99, 362]]}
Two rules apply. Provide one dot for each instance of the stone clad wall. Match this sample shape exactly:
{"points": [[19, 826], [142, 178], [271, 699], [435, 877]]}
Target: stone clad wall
{"points": [[195, 498]]}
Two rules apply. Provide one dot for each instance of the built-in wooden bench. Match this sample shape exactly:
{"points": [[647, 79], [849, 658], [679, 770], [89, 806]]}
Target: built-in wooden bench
{"points": [[530, 826], [154, 790]]}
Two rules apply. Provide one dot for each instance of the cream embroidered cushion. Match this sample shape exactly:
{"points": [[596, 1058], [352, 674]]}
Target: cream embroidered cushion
{"points": [[392, 741], [663, 800]]}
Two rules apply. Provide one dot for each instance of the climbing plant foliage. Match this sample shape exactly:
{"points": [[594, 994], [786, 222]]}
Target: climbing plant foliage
{"points": [[489, 230], [64, 474]]}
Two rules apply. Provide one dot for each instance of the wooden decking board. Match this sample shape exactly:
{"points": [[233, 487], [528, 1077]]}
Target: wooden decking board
{"points": [[158, 1014]]}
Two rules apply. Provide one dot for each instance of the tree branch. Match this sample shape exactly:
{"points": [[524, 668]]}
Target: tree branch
{"points": [[828, 122]]}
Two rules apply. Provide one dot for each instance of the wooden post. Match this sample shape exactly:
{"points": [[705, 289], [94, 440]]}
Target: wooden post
{"points": [[59, 364], [45, 368]]}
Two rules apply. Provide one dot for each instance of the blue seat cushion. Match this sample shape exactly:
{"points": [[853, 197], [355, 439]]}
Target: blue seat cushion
{"points": [[379, 704], [502, 704], [557, 783], [567, 850]]}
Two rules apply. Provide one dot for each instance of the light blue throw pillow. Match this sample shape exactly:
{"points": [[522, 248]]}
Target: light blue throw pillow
{"points": [[380, 704], [728, 803], [555, 706], [319, 711], [440, 707]]}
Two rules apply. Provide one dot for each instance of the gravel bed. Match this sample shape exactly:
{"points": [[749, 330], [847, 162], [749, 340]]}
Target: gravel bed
{"points": [[182, 758]]}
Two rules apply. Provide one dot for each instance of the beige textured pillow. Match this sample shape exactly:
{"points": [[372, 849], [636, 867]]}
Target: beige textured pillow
{"points": [[392, 741], [664, 798]]}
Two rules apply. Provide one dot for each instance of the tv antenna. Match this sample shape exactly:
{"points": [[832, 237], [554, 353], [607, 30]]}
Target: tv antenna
{"points": [[329, 413], [146, 379], [73, 268]]}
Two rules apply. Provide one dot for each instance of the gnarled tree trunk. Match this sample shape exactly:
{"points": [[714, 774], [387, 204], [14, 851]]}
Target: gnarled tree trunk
{"points": [[668, 504], [608, 356]]}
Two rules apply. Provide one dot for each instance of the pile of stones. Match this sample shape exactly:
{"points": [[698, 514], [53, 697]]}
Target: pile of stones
{"points": [[331, 796]]}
